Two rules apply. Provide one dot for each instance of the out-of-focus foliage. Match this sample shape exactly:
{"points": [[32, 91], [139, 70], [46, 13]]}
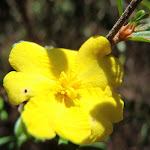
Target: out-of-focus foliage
{"points": [[146, 3], [52, 22], [20, 132], [68, 23], [120, 7], [3, 112]]}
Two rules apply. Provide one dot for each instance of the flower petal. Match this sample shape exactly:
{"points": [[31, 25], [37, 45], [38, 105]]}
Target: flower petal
{"points": [[33, 58], [38, 117], [106, 103], [72, 122], [95, 68], [22, 86], [100, 129], [104, 108]]}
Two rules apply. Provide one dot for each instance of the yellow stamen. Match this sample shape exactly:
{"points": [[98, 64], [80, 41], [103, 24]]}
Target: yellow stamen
{"points": [[68, 85]]}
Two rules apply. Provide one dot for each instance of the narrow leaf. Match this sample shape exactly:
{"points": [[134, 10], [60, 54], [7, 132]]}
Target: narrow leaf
{"points": [[146, 3], [144, 16], [120, 7], [1, 103], [140, 39], [143, 36], [145, 27], [144, 130], [20, 132], [142, 33], [5, 140], [140, 15]]}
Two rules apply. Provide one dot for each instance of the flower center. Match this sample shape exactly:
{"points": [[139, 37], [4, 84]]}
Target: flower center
{"points": [[68, 85]]}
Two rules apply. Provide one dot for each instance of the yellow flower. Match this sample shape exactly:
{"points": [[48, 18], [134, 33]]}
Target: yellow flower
{"points": [[69, 93]]}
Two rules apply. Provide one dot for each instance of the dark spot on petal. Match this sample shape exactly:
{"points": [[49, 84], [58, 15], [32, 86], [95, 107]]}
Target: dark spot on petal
{"points": [[25, 90]]}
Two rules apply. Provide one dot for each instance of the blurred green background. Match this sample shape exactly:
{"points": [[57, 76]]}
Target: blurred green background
{"points": [[67, 24]]}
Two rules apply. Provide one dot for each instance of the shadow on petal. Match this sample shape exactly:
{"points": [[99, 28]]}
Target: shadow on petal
{"points": [[111, 109], [58, 60], [112, 69]]}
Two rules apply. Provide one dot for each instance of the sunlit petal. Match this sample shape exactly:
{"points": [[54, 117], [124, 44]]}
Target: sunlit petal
{"points": [[33, 58], [22, 86], [38, 117], [95, 68]]}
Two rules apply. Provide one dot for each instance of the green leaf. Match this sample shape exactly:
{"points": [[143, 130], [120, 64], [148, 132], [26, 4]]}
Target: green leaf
{"points": [[145, 27], [143, 36], [11, 145], [146, 3], [140, 15], [1, 103], [144, 130], [140, 39], [62, 141], [100, 145], [120, 7], [18, 129], [3, 115], [20, 132], [144, 16], [5, 140]]}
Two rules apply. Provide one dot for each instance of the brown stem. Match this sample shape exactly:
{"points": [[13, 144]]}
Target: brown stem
{"points": [[122, 20]]}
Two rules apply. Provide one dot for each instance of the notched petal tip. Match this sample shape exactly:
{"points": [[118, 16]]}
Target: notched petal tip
{"points": [[30, 57], [21, 54]]}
